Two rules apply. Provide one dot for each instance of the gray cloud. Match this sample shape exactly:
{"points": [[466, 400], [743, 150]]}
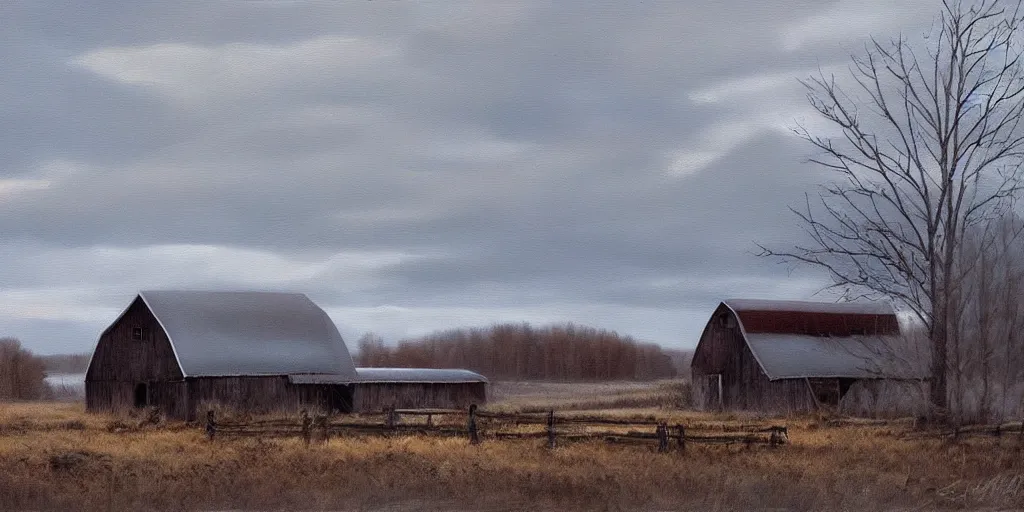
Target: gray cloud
{"points": [[410, 165]]}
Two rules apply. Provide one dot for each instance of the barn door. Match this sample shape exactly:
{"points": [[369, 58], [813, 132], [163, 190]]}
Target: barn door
{"points": [[827, 392], [141, 395], [713, 391]]}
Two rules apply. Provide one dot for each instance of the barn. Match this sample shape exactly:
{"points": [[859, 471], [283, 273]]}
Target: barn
{"points": [[786, 357], [185, 351]]}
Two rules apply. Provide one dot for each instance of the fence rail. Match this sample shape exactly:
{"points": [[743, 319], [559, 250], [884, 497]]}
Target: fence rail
{"points": [[1012, 430], [476, 425]]}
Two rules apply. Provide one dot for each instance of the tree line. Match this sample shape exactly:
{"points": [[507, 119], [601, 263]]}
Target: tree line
{"points": [[565, 352], [986, 349], [22, 373]]}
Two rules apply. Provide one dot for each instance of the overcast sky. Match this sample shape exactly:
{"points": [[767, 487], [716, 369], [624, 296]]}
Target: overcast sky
{"points": [[411, 165]]}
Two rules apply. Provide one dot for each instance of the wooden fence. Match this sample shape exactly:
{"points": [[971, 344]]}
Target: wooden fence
{"points": [[476, 425], [1013, 430]]}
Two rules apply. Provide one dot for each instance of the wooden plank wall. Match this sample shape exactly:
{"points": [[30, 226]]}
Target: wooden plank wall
{"points": [[379, 396], [265, 394], [119, 358], [109, 396], [120, 363], [722, 350]]}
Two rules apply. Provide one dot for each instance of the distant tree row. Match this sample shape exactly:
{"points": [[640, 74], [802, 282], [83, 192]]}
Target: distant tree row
{"points": [[22, 373], [565, 352]]}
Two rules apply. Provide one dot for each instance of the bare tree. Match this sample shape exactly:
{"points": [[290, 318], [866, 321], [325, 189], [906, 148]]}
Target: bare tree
{"points": [[371, 350], [22, 374], [984, 357], [930, 146]]}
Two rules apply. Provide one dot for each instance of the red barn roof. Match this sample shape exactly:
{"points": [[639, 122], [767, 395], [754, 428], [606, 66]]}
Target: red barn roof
{"points": [[815, 318]]}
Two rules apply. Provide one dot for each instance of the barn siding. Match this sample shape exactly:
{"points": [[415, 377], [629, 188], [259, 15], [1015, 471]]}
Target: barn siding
{"points": [[722, 350], [119, 358], [171, 398], [108, 396], [262, 395], [371, 397], [120, 363]]}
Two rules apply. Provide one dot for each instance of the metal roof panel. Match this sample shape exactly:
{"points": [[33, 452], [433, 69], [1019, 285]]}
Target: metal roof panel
{"points": [[787, 356], [218, 333], [421, 375]]}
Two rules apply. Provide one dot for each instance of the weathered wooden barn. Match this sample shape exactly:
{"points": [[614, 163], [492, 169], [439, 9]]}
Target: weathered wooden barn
{"points": [[791, 357], [185, 351]]}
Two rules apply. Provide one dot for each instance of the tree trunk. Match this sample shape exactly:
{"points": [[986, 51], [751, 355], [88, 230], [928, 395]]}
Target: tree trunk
{"points": [[938, 395]]}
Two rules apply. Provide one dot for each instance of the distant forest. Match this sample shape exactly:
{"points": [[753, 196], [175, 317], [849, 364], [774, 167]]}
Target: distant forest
{"points": [[564, 352]]}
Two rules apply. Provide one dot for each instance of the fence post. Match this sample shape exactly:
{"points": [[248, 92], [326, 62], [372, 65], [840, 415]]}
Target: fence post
{"points": [[662, 438], [211, 425], [390, 419], [324, 430], [551, 428], [430, 421], [305, 426], [681, 438], [773, 440], [473, 437]]}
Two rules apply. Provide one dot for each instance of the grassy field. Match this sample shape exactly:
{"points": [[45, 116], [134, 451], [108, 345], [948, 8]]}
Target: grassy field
{"points": [[56, 457]]}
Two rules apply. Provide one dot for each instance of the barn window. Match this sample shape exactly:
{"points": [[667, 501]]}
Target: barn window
{"points": [[136, 333]]}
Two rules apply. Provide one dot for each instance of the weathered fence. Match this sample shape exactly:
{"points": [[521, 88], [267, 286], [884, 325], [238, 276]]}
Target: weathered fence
{"points": [[476, 425], [1013, 431]]}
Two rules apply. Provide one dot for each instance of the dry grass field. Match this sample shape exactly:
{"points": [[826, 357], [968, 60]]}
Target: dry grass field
{"points": [[56, 457]]}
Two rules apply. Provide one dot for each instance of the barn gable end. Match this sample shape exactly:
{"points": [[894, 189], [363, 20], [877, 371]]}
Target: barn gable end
{"points": [[134, 364], [140, 355], [727, 375]]}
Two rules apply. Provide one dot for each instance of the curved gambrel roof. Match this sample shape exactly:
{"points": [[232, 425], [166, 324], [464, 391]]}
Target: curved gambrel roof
{"points": [[793, 339], [229, 333]]}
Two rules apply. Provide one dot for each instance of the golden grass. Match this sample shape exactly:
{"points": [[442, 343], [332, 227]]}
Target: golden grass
{"points": [[161, 468], [542, 396]]}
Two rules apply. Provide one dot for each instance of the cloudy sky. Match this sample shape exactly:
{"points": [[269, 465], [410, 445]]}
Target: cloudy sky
{"points": [[411, 165]]}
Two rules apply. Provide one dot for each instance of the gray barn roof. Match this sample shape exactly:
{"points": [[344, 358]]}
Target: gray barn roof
{"points": [[249, 333], [392, 375], [788, 356], [421, 375]]}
